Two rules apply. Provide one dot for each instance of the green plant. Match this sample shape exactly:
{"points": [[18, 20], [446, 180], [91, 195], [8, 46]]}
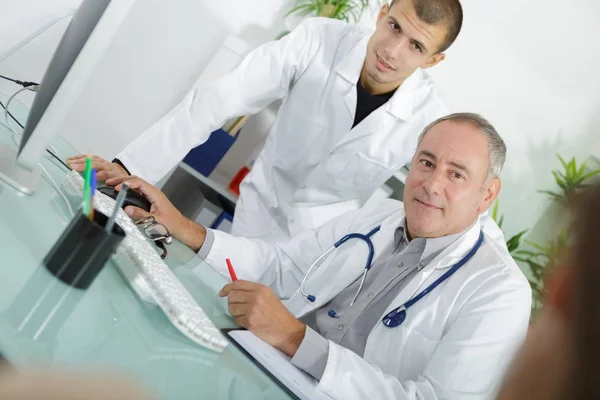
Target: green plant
{"points": [[346, 10], [539, 260], [514, 242], [569, 180]]}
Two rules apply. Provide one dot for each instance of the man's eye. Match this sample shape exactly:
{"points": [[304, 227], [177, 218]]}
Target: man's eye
{"points": [[417, 47], [456, 175], [427, 163], [395, 26]]}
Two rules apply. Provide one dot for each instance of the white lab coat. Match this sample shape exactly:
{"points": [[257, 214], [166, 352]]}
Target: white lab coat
{"points": [[455, 343], [313, 167]]}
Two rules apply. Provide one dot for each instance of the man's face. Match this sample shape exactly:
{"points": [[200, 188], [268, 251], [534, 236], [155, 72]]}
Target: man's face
{"points": [[402, 43], [446, 187]]}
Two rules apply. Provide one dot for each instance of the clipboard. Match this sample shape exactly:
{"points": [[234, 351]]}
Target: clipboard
{"points": [[255, 361], [298, 384]]}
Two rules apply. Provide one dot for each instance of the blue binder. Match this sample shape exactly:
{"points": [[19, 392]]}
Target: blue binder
{"points": [[205, 157]]}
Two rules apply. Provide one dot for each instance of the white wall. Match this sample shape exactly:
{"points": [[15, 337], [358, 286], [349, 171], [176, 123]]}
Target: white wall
{"points": [[157, 55], [530, 67]]}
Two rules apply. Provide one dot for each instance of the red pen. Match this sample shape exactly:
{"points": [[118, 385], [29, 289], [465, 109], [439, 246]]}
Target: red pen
{"points": [[231, 270]]}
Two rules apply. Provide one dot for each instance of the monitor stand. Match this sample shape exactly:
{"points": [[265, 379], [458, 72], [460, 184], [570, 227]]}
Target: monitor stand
{"points": [[22, 179]]}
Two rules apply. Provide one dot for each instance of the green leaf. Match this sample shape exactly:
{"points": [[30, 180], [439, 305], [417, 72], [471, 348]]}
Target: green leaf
{"points": [[501, 222], [528, 253], [553, 194], [572, 168], [560, 181], [303, 9], [514, 242], [495, 211], [537, 246], [581, 170], [590, 174], [562, 161]]}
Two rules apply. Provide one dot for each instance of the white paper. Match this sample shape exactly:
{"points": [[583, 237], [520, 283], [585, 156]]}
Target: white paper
{"points": [[280, 366]]}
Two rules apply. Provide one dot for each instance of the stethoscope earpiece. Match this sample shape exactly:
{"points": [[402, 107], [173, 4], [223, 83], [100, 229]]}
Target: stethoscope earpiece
{"points": [[311, 298]]}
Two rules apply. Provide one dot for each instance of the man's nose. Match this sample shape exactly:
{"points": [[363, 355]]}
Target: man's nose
{"points": [[434, 184], [394, 49]]}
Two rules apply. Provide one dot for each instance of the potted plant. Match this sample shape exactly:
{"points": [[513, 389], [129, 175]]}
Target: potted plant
{"points": [[345, 10]]}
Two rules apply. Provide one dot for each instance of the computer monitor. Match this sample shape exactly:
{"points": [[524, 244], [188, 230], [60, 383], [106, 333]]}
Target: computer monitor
{"points": [[84, 42]]}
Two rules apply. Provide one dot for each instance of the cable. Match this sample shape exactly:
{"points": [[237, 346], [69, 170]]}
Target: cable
{"points": [[10, 99], [58, 190], [18, 82], [17, 141]]}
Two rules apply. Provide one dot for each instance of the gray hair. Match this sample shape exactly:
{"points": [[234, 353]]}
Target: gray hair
{"points": [[496, 146]]}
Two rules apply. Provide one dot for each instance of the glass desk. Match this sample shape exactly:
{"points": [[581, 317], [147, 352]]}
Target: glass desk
{"points": [[43, 321]]}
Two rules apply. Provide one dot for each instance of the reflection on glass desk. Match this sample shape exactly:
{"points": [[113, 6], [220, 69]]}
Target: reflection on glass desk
{"points": [[43, 321]]}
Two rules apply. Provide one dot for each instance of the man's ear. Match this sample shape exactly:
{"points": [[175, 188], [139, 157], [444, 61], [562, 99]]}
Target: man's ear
{"points": [[491, 191], [382, 13], [434, 60]]}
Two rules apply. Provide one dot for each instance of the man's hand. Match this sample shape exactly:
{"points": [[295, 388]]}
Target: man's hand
{"points": [[256, 308], [104, 169], [163, 210]]}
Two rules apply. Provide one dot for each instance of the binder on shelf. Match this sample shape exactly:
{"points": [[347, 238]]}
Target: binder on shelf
{"points": [[205, 157]]}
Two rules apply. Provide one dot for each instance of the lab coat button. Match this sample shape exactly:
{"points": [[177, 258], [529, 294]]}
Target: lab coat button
{"points": [[400, 264], [341, 327], [371, 295]]}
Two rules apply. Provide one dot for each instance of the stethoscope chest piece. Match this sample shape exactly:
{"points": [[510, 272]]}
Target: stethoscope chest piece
{"points": [[395, 318]]}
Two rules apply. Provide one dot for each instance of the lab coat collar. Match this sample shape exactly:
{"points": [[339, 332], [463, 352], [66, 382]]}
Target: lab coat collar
{"points": [[351, 64], [412, 91], [383, 243]]}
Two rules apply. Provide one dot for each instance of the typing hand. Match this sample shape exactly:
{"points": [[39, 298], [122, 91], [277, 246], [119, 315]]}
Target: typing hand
{"points": [[256, 308], [104, 169], [163, 210]]}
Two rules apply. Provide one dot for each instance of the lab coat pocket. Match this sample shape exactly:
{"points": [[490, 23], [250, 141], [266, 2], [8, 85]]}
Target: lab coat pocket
{"points": [[408, 352], [361, 176]]}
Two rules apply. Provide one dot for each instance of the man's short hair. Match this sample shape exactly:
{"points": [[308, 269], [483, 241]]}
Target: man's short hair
{"points": [[496, 146], [435, 12]]}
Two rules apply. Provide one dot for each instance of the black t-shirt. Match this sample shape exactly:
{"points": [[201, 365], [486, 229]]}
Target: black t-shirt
{"points": [[366, 103]]}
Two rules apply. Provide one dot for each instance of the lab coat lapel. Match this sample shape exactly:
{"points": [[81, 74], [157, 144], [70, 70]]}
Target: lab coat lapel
{"points": [[349, 68], [399, 107], [331, 278], [437, 267]]}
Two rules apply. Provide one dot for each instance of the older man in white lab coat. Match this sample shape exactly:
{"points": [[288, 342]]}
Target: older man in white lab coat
{"points": [[456, 340], [354, 104]]}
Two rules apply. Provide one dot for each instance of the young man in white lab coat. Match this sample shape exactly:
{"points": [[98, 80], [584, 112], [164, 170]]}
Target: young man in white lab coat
{"points": [[354, 103], [455, 342]]}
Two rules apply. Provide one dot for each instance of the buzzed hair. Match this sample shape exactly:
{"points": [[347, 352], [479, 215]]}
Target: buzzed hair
{"points": [[436, 12]]}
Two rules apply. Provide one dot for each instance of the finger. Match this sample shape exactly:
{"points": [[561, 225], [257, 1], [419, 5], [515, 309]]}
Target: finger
{"points": [[151, 193], [240, 297], [117, 180], [242, 321], [238, 310], [98, 165], [77, 158], [224, 292], [107, 174], [136, 212], [99, 159], [77, 167], [240, 284]]}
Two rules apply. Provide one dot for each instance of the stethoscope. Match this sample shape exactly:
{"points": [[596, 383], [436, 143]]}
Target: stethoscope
{"points": [[397, 316]]}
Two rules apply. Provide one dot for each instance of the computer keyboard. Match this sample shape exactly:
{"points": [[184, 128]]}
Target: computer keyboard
{"points": [[172, 297]]}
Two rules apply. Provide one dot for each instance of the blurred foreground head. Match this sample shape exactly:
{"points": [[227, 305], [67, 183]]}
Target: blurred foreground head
{"points": [[561, 357]]}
